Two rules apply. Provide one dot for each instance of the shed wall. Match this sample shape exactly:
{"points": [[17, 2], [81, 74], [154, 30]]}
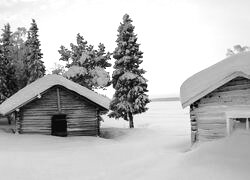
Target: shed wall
{"points": [[81, 115], [208, 118]]}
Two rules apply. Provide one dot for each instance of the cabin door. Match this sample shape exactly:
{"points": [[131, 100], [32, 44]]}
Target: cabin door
{"points": [[59, 125]]}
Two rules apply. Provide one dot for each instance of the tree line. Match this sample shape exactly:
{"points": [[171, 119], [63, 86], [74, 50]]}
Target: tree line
{"points": [[20, 59], [21, 64]]}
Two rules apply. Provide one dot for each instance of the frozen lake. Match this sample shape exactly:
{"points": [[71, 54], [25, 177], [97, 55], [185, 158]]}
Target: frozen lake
{"points": [[167, 115]]}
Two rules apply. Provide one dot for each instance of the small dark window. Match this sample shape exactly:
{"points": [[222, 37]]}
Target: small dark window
{"points": [[59, 125], [241, 123]]}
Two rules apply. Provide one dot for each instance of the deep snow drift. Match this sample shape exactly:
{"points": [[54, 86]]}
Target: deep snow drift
{"points": [[159, 148]]}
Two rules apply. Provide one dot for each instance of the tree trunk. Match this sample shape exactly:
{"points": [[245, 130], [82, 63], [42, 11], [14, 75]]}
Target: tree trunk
{"points": [[130, 118]]}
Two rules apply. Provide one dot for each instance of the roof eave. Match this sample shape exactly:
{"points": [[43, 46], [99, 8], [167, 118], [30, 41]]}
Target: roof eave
{"points": [[213, 87], [23, 104]]}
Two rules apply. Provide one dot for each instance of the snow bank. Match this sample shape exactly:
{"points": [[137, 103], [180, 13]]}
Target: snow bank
{"points": [[159, 148], [207, 80], [226, 158], [123, 153]]}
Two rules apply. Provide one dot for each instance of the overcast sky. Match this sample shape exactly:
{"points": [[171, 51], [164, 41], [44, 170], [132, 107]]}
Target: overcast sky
{"points": [[178, 37]]}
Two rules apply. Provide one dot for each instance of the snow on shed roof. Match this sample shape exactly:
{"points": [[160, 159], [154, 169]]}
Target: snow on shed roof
{"points": [[32, 90], [207, 80]]}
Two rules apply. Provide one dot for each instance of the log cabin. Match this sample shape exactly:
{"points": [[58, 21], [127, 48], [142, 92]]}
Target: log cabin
{"points": [[54, 105], [219, 98]]}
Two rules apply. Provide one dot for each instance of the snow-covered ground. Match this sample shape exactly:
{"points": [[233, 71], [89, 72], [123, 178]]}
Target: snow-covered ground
{"points": [[158, 148]]}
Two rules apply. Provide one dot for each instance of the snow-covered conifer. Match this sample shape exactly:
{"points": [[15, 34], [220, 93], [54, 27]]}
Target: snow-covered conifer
{"points": [[7, 72], [18, 38], [237, 49], [3, 84], [34, 66], [86, 65], [130, 86]]}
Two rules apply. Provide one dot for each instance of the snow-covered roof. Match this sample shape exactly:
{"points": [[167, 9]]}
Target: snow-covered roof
{"points": [[207, 80], [32, 90]]}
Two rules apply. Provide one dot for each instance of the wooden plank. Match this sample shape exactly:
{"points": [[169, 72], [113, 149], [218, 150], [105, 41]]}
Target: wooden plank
{"points": [[58, 100]]}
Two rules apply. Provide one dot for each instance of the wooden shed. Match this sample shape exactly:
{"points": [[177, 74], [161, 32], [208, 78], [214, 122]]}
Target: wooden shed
{"points": [[54, 105], [219, 98]]}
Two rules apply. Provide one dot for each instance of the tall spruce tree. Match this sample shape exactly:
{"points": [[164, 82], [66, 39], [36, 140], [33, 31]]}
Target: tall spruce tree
{"points": [[86, 65], [130, 86], [4, 93], [34, 67], [18, 38], [8, 80]]}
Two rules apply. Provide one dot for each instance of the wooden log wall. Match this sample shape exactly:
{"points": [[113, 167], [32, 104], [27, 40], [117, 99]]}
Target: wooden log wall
{"points": [[81, 115], [36, 115], [193, 122], [209, 111]]}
